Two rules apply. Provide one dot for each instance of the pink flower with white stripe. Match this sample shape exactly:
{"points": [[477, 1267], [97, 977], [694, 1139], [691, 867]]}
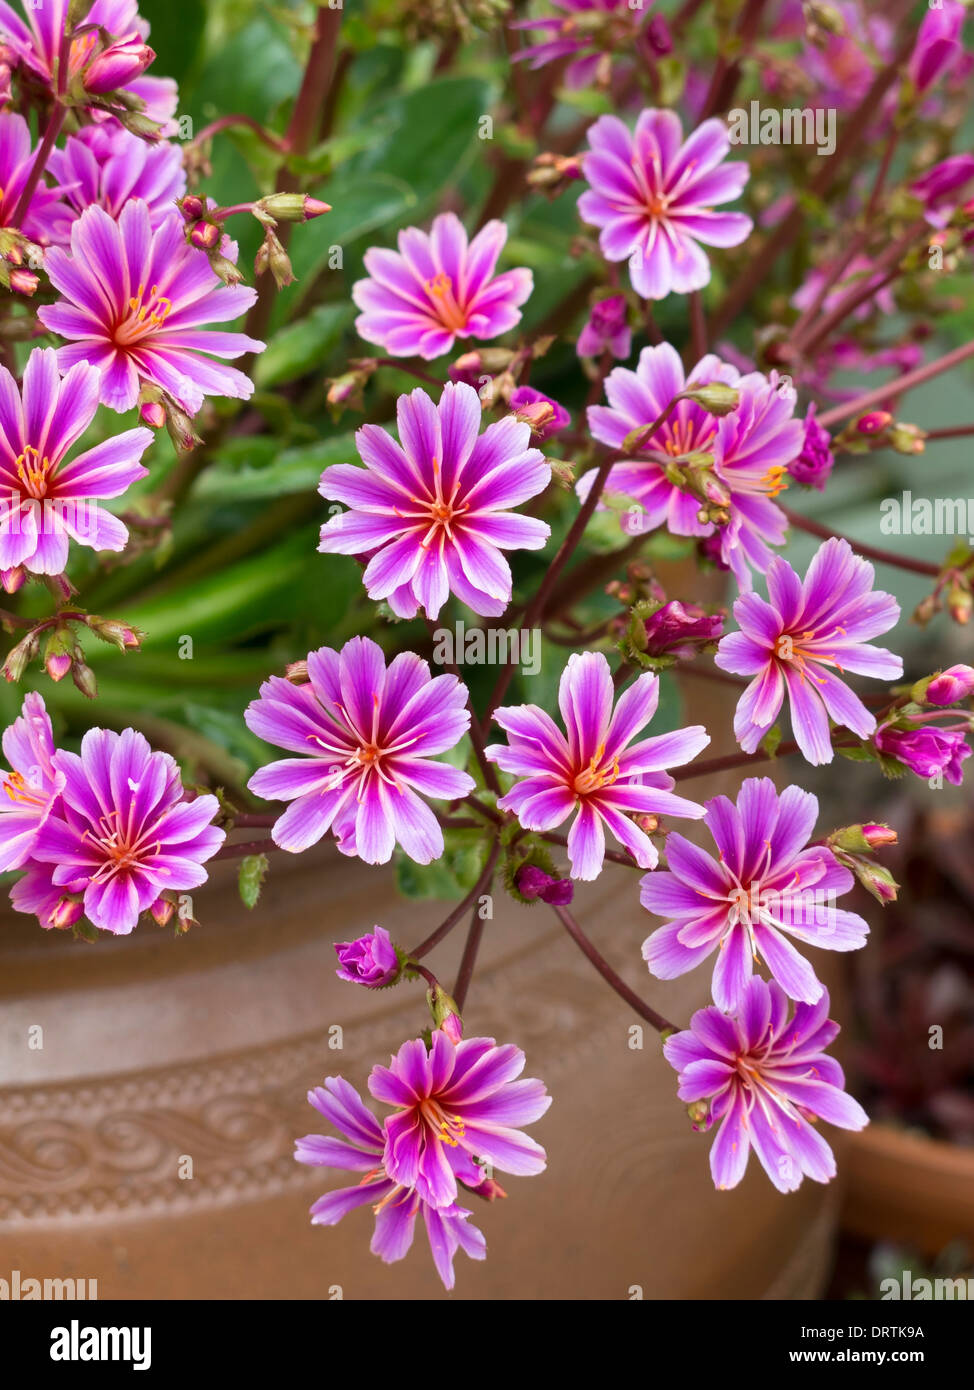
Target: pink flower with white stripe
{"points": [[597, 771], [431, 511], [366, 735], [788, 642], [133, 299]]}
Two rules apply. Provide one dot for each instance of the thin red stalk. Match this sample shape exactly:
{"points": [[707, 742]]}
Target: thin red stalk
{"points": [[612, 979], [897, 388], [711, 766], [469, 958], [868, 552], [460, 910], [268, 137], [244, 848]]}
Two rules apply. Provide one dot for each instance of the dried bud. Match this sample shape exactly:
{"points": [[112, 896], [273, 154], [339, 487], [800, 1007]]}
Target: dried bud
{"points": [[119, 634], [225, 269], [18, 656], [180, 427], [297, 672], [13, 579], [959, 602], [907, 439], [273, 257], [84, 678]]}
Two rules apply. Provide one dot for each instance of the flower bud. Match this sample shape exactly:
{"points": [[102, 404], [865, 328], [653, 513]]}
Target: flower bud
{"points": [[119, 634], [65, 913], [297, 672], [699, 1112], [58, 653], [224, 268], [907, 439], [179, 427], [369, 960], [118, 65], [18, 656], [205, 235], [445, 1013], [959, 602], [533, 883], [162, 910], [861, 839], [954, 684], [23, 281], [13, 579], [874, 421], [273, 257], [293, 207], [191, 207], [84, 678], [153, 414], [714, 396]]}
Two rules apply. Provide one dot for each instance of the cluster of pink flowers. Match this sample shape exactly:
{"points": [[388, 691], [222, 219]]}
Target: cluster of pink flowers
{"points": [[384, 756]]}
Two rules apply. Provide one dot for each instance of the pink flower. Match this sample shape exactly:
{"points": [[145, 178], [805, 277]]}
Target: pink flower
{"points": [[46, 500], [788, 642], [104, 164], [366, 735], [44, 220], [597, 771], [456, 1106], [766, 1078], [31, 787], [813, 466], [432, 511], [954, 684], [938, 45], [606, 329], [396, 1208], [653, 194], [438, 288], [369, 960], [132, 302], [545, 416], [123, 832]]}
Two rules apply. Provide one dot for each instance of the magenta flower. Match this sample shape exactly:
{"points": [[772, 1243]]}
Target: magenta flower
{"points": [[32, 785], [106, 166], [34, 43], [606, 329], [942, 188], [949, 686], [438, 288], [653, 194], [764, 887], [767, 1079], [938, 44], [44, 221], [431, 511], [813, 466], [678, 630], [369, 960], [859, 273], [568, 38], [545, 416], [788, 643], [366, 735], [597, 770], [533, 883], [751, 449], [457, 1105], [640, 397], [927, 749], [46, 501], [124, 832], [395, 1207], [132, 302]]}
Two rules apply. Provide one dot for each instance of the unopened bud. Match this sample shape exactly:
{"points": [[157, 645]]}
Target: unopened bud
{"points": [[84, 678], [907, 439], [293, 207], [162, 910], [873, 422], [205, 235], [714, 396], [58, 653], [699, 1112], [153, 414], [18, 656], [23, 281], [13, 579], [445, 1013], [66, 912], [956, 683], [191, 207], [119, 634], [118, 65]]}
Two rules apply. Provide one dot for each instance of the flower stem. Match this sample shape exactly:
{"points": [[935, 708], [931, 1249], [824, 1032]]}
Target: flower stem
{"points": [[615, 981], [244, 848], [868, 552], [460, 910], [897, 387], [39, 164]]}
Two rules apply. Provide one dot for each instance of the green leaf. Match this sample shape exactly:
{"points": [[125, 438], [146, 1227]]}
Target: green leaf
{"points": [[304, 345], [250, 880]]}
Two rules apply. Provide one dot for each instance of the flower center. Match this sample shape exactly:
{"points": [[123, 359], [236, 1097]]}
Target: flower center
{"points": [[683, 437], [15, 785], [449, 1129], [595, 775], [33, 471], [775, 480], [657, 205], [120, 849], [145, 316], [450, 313]]}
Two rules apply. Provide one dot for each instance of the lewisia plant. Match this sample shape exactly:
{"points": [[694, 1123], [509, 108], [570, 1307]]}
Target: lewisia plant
{"points": [[544, 404]]}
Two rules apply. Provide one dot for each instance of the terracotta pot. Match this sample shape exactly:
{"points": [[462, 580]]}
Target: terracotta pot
{"points": [[908, 1187], [162, 1057]]}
